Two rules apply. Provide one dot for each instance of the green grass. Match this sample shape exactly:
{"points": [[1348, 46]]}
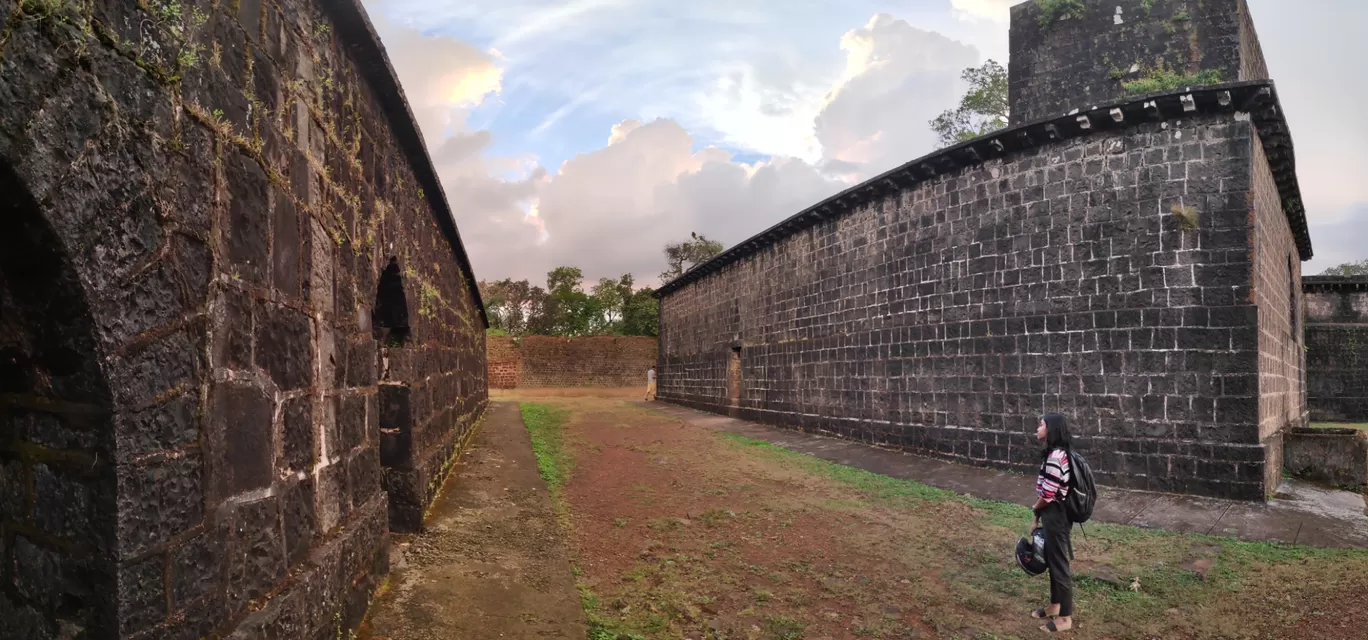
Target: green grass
{"points": [[544, 425], [1161, 80]]}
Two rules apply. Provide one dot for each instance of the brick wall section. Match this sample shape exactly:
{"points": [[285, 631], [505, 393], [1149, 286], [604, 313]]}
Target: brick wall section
{"points": [[1078, 63], [1277, 292], [1337, 348], [505, 362], [591, 361], [945, 319], [224, 214]]}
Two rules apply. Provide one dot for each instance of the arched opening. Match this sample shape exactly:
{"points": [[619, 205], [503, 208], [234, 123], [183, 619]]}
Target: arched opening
{"points": [[57, 472]]}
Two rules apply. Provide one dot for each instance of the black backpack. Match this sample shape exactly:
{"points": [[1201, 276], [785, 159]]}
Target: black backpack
{"points": [[1078, 504]]}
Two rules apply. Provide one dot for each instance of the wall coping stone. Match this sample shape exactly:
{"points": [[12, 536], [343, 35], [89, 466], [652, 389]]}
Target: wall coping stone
{"points": [[1334, 284], [353, 24], [1258, 98]]}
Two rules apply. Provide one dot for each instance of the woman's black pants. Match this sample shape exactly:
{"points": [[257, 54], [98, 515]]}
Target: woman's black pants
{"points": [[1058, 547]]}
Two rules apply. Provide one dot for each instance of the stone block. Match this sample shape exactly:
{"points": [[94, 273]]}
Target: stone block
{"points": [[284, 345], [175, 361], [197, 567], [142, 594], [158, 500], [363, 473], [241, 431], [233, 331], [351, 422], [64, 503], [248, 221], [298, 504], [286, 245], [332, 497], [299, 436], [256, 550], [171, 425]]}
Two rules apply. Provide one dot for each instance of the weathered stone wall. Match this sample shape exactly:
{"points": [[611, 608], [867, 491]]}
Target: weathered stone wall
{"points": [[1337, 348], [591, 361], [1336, 457], [1277, 294], [944, 319], [224, 183], [1077, 62]]}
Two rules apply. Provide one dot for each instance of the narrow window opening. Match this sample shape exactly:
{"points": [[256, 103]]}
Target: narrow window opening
{"points": [[390, 317]]}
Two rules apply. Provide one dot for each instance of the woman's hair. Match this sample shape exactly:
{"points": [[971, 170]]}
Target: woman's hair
{"points": [[1056, 433]]}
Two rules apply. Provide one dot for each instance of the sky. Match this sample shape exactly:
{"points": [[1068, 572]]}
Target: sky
{"points": [[591, 133]]}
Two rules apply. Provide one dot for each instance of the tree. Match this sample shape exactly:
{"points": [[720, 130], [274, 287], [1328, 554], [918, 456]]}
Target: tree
{"points": [[641, 317], [514, 306], [1359, 268], [570, 310], [697, 250], [982, 110]]}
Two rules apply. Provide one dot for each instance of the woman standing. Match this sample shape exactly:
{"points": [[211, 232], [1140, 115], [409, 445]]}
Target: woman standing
{"points": [[1052, 485]]}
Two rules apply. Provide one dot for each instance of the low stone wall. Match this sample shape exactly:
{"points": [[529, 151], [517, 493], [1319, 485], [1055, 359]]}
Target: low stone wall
{"points": [[1337, 457], [592, 361], [1337, 347]]}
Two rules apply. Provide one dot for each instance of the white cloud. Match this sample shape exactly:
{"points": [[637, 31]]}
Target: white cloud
{"points": [[994, 10], [897, 78]]}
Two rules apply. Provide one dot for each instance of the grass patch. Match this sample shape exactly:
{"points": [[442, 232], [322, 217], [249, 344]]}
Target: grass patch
{"points": [[554, 463], [879, 487], [1162, 80]]}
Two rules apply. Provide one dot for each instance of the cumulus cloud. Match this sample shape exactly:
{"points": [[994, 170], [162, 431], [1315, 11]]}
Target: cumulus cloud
{"points": [[897, 78], [611, 210], [443, 78]]}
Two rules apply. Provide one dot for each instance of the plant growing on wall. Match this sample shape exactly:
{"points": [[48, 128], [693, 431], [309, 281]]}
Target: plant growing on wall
{"points": [[1162, 79], [982, 110], [1052, 11]]}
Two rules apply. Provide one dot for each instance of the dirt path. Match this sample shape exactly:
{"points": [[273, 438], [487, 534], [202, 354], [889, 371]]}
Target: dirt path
{"points": [[492, 563]]}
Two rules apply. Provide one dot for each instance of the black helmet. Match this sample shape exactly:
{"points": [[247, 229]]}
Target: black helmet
{"points": [[1030, 552]]}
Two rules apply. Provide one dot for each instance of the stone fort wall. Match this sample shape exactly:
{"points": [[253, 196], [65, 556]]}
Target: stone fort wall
{"points": [[1337, 348], [591, 361], [194, 404], [946, 317]]}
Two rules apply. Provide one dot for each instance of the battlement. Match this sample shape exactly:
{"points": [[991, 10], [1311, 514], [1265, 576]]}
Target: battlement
{"points": [[1072, 54]]}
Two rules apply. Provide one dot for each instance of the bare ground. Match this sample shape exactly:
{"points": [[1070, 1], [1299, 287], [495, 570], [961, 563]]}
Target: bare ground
{"points": [[677, 531], [672, 530], [491, 562]]}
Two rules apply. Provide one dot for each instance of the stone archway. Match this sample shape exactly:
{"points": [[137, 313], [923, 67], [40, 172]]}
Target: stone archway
{"points": [[57, 471]]}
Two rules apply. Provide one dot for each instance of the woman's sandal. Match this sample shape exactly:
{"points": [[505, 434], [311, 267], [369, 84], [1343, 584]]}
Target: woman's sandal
{"points": [[1050, 628], [1040, 614]]}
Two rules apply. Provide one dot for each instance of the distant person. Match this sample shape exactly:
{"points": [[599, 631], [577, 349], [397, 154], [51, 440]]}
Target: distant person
{"points": [[1052, 485], [650, 384]]}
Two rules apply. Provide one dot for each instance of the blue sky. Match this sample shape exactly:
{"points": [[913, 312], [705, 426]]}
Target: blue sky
{"points": [[732, 114]]}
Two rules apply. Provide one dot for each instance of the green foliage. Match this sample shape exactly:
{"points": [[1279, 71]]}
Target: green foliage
{"points": [[1359, 268], [1148, 6], [981, 111], [641, 315], [693, 252], [496, 333], [1052, 11], [1163, 79]]}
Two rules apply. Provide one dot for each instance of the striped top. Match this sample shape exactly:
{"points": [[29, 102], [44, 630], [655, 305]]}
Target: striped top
{"points": [[1053, 482]]}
